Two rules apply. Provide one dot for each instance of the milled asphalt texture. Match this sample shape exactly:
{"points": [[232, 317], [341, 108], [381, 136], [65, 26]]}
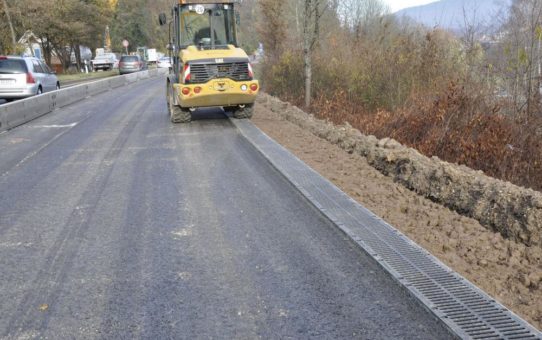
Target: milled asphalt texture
{"points": [[117, 224]]}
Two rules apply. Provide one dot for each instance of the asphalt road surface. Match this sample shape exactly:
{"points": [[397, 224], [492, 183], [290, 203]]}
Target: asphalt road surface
{"points": [[115, 223]]}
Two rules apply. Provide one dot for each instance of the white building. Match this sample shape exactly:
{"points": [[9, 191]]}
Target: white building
{"points": [[31, 44]]}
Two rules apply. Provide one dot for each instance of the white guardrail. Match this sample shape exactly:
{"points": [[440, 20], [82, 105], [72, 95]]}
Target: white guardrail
{"points": [[22, 111]]}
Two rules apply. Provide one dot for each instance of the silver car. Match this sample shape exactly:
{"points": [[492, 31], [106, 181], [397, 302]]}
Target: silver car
{"points": [[22, 77], [131, 63]]}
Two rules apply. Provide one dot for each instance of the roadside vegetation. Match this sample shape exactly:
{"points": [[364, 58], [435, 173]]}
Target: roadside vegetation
{"points": [[77, 77], [61, 26], [471, 97]]}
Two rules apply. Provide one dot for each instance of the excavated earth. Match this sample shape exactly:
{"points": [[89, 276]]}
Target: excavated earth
{"points": [[487, 230]]}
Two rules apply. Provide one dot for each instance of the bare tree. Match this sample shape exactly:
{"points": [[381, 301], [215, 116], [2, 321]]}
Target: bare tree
{"points": [[8, 16], [524, 34], [472, 30], [359, 15], [272, 28], [313, 11]]}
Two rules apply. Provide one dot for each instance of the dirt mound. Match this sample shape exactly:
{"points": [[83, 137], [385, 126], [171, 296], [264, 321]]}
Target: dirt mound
{"points": [[508, 270], [513, 211]]}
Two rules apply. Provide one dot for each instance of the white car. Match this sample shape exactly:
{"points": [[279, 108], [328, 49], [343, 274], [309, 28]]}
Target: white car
{"points": [[164, 62], [105, 62]]}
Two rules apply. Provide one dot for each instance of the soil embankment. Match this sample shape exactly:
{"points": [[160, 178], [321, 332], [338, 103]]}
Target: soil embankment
{"points": [[503, 257]]}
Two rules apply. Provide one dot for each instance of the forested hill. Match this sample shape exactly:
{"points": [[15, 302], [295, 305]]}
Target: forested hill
{"points": [[450, 14]]}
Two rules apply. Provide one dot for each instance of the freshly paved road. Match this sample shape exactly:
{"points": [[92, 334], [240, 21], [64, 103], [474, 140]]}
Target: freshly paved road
{"points": [[116, 224]]}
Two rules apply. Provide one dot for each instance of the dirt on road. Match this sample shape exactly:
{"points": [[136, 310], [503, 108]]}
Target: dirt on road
{"points": [[509, 271]]}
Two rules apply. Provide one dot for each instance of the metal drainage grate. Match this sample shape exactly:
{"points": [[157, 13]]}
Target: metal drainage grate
{"points": [[467, 311]]}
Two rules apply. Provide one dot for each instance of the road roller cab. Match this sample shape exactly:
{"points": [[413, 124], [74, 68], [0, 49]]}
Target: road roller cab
{"points": [[209, 69]]}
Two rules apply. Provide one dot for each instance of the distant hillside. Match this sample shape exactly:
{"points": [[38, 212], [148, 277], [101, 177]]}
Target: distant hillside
{"points": [[449, 14]]}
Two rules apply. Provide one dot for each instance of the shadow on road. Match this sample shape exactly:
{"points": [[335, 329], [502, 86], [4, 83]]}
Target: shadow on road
{"points": [[209, 113]]}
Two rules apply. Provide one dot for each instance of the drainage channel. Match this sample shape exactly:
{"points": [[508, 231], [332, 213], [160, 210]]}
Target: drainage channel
{"points": [[467, 311]]}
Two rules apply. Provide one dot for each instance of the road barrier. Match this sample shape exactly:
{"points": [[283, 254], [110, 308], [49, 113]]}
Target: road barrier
{"points": [[25, 110], [21, 112], [131, 78], [142, 75], [117, 82], [2, 119], [69, 96]]}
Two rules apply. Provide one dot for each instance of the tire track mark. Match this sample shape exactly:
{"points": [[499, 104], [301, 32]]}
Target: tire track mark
{"points": [[12, 186], [60, 257]]}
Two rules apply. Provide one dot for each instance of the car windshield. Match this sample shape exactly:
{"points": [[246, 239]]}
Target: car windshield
{"points": [[198, 21], [129, 59], [12, 66]]}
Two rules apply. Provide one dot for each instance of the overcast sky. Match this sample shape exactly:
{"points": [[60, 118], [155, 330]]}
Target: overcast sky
{"points": [[396, 5]]}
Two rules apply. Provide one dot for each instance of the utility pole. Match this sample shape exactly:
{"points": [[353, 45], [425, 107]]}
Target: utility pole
{"points": [[13, 38]]}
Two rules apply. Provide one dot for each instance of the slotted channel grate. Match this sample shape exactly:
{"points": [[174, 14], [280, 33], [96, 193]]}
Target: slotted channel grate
{"points": [[467, 311]]}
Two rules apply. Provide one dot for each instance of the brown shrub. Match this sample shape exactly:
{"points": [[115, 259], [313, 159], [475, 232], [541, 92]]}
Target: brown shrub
{"points": [[457, 126]]}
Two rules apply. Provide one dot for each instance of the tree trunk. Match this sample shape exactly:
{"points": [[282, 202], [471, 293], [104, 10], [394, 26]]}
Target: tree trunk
{"points": [[77, 50], [46, 50], [308, 77], [67, 56], [311, 32], [13, 37]]}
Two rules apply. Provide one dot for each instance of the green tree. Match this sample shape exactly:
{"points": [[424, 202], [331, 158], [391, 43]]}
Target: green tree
{"points": [[137, 22]]}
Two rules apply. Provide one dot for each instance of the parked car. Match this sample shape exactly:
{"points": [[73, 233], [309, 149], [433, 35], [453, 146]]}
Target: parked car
{"points": [[164, 62], [22, 77], [131, 63], [106, 62]]}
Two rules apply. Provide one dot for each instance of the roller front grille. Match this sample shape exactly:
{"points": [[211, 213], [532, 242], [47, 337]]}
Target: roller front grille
{"points": [[202, 73]]}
